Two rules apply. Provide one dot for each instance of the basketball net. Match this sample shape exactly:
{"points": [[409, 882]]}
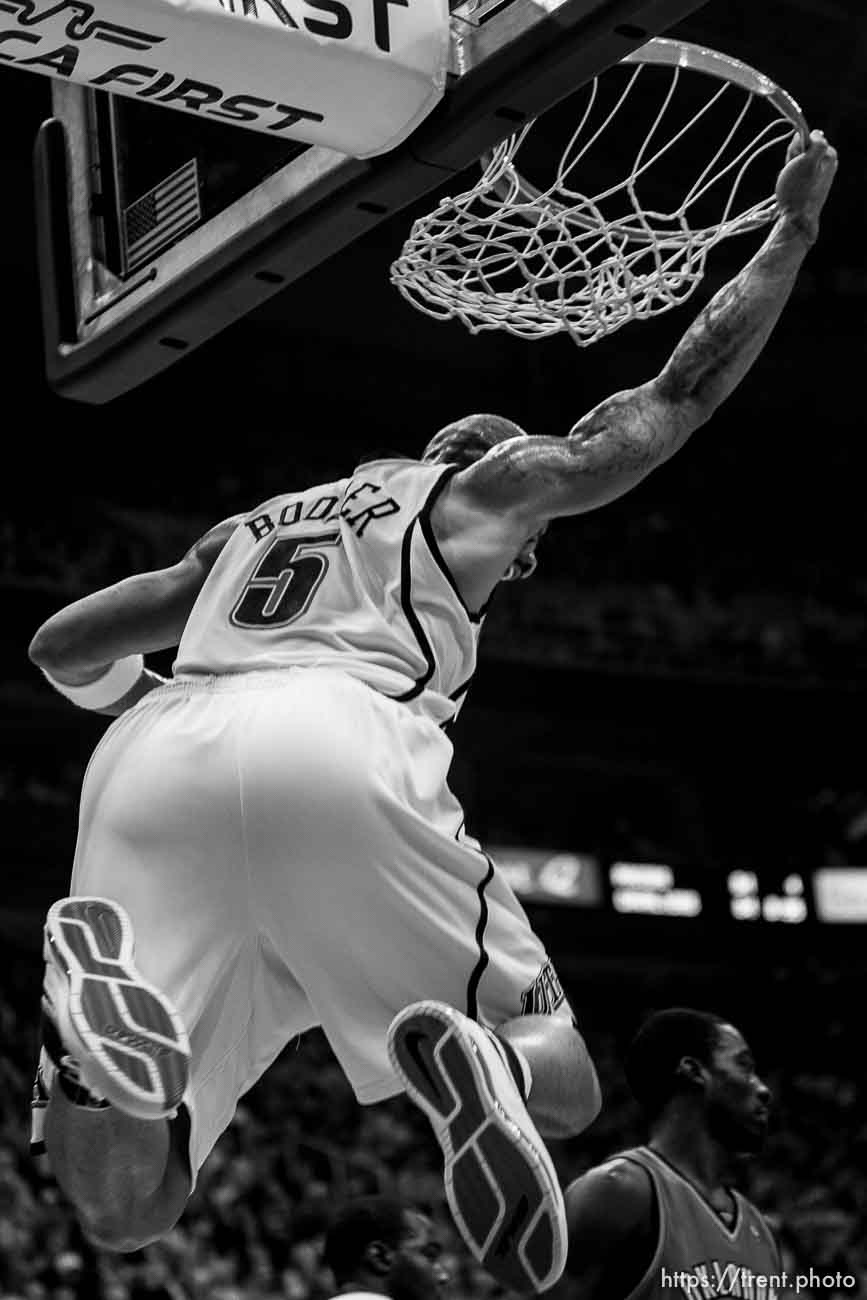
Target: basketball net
{"points": [[541, 256]]}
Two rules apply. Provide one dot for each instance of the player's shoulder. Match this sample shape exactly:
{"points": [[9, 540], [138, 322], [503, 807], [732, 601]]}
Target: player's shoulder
{"points": [[204, 551], [394, 464], [415, 485], [617, 1192], [380, 455], [620, 1173], [273, 503]]}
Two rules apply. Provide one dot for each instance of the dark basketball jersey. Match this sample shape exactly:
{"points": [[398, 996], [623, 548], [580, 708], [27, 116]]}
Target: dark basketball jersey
{"points": [[697, 1255]]}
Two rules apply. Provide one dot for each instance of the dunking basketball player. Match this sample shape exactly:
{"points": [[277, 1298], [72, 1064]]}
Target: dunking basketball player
{"points": [[274, 829], [662, 1220]]}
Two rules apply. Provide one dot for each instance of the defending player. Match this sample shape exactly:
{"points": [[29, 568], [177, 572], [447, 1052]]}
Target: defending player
{"points": [[275, 829], [661, 1220], [379, 1246]]}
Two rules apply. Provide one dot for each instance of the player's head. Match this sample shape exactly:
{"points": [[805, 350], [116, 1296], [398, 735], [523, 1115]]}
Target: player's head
{"points": [[469, 439], [377, 1243], [695, 1061]]}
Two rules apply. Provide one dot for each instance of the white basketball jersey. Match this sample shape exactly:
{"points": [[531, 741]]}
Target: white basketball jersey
{"points": [[345, 575]]}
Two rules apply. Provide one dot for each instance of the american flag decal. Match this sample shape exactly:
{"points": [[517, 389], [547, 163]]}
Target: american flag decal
{"points": [[161, 216]]}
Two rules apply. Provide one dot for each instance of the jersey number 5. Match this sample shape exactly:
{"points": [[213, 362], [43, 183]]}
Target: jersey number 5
{"points": [[284, 582]]}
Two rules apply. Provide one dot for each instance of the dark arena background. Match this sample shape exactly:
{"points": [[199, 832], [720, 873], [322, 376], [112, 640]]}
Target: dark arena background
{"points": [[665, 743]]}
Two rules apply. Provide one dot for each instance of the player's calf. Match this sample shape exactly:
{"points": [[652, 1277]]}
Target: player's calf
{"points": [[112, 1073], [127, 1178], [561, 1086]]}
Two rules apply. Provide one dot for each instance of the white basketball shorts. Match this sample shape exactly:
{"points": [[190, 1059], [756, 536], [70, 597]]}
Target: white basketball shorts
{"points": [[290, 855]]}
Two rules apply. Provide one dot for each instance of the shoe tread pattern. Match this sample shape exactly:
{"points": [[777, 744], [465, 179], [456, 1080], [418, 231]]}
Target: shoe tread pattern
{"points": [[136, 1051], [497, 1189]]}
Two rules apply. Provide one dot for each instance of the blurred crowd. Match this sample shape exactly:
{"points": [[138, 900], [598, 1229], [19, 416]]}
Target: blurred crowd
{"points": [[622, 590], [299, 1146], [658, 628]]}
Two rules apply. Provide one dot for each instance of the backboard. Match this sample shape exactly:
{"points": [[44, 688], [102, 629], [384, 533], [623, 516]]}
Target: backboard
{"points": [[156, 231]]}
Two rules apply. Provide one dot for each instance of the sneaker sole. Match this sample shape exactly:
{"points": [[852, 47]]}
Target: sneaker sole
{"points": [[505, 1200], [135, 1052]]}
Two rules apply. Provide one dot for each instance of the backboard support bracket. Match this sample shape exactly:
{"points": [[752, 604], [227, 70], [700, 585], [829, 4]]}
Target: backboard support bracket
{"points": [[506, 69]]}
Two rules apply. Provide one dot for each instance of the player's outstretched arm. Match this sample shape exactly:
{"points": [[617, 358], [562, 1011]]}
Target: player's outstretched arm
{"points": [[80, 645], [618, 443]]}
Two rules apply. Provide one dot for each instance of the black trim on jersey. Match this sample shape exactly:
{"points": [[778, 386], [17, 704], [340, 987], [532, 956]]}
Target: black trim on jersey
{"points": [[406, 593], [433, 545], [455, 695], [479, 968], [462, 689], [413, 619]]}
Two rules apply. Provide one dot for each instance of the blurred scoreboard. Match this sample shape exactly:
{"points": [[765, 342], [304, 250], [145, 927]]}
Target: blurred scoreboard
{"points": [[840, 894], [545, 876], [831, 895]]}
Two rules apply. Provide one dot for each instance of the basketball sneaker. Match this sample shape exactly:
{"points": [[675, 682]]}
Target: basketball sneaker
{"points": [[501, 1184], [120, 1039]]}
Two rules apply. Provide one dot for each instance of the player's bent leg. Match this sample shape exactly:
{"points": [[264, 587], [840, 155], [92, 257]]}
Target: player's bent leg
{"points": [[127, 1178], [112, 1075], [501, 1184], [562, 1091]]}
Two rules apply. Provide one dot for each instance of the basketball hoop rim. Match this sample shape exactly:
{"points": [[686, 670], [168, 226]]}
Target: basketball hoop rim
{"points": [[663, 51], [700, 58]]}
